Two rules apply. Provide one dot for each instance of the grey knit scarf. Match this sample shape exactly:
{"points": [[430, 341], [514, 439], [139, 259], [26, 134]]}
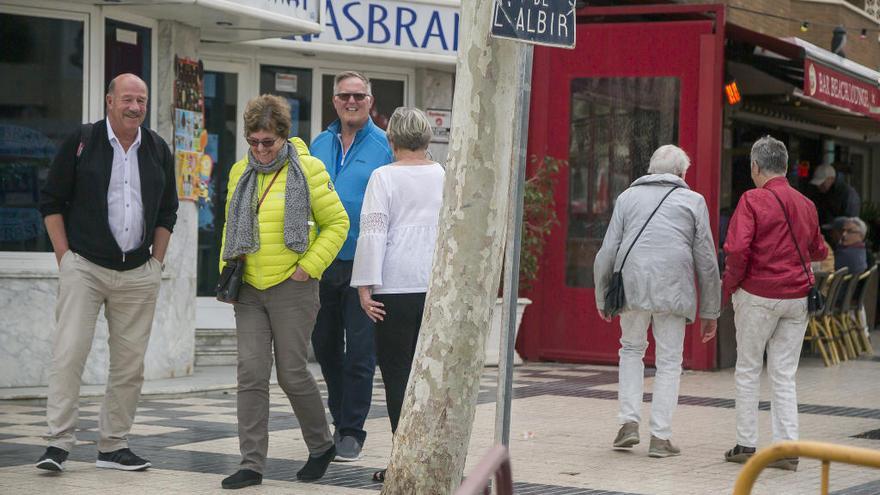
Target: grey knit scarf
{"points": [[242, 231]]}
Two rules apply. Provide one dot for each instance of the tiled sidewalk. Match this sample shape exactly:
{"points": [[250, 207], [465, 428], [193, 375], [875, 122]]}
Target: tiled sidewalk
{"points": [[562, 426]]}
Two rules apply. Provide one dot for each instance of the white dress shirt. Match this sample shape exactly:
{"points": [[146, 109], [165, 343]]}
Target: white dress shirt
{"points": [[399, 217], [125, 209]]}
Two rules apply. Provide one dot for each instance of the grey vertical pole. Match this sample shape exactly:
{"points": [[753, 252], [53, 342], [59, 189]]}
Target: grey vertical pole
{"points": [[512, 249]]}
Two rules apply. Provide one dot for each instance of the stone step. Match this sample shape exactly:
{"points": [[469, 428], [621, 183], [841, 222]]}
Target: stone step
{"points": [[215, 359], [216, 346], [216, 337]]}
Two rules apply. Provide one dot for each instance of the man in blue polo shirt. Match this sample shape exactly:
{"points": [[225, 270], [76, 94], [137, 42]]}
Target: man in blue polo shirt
{"points": [[351, 148]]}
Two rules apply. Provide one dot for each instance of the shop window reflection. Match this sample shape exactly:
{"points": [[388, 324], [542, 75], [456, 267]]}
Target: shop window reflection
{"points": [[40, 105], [616, 124], [221, 112]]}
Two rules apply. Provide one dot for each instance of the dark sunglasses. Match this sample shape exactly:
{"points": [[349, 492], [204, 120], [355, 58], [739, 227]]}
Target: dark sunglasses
{"points": [[346, 96], [267, 143]]}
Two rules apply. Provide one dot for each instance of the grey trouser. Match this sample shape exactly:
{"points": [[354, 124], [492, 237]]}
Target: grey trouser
{"points": [[283, 315], [129, 299]]}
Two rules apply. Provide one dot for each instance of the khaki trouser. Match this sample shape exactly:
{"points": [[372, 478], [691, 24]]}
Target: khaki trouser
{"points": [[280, 317], [777, 326], [129, 300]]}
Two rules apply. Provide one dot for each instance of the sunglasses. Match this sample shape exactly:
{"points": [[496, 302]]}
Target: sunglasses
{"points": [[356, 96], [267, 143]]}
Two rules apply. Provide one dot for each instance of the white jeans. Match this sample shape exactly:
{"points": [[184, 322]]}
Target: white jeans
{"points": [[777, 325], [669, 339]]}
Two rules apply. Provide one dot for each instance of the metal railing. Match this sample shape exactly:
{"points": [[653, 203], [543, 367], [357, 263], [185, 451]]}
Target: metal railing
{"points": [[496, 462], [825, 452]]}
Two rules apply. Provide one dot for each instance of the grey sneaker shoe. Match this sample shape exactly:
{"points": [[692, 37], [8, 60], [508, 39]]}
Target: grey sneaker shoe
{"points": [[662, 448], [348, 449], [627, 436], [788, 464]]}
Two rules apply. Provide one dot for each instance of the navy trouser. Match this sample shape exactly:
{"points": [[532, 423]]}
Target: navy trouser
{"points": [[344, 347]]}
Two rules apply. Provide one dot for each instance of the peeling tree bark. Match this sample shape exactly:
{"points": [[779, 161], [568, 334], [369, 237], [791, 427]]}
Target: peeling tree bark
{"points": [[430, 446]]}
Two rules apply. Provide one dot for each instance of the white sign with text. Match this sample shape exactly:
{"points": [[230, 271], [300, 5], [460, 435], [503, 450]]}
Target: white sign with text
{"points": [[389, 24]]}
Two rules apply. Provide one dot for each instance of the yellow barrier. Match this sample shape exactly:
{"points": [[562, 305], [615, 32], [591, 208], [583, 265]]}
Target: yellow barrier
{"points": [[825, 452]]}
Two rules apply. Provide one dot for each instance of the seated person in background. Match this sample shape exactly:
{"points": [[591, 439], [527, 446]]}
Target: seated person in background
{"points": [[850, 252]]}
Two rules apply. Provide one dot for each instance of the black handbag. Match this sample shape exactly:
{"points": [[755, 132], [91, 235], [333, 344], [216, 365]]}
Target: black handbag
{"points": [[232, 275], [230, 281], [815, 299], [615, 295]]}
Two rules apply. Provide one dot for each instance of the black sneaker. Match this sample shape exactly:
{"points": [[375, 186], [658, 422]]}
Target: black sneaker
{"points": [[123, 459], [316, 466], [241, 479], [52, 460]]}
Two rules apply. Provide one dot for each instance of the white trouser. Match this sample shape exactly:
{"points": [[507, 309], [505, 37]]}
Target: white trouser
{"points": [[668, 332], [777, 325]]}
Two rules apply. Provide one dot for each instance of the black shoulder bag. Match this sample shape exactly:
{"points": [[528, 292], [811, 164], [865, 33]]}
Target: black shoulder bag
{"points": [[615, 296], [815, 300], [232, 275]]}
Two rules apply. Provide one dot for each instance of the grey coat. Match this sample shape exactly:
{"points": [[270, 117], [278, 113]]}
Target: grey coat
{"points": [[659, 274]]}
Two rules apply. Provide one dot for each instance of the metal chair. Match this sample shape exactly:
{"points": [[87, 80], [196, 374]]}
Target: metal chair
{"points": [[496, 462], [825, 452]]}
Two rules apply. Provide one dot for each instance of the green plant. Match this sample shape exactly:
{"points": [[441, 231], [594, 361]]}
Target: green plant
{"points": [[539, 216]]}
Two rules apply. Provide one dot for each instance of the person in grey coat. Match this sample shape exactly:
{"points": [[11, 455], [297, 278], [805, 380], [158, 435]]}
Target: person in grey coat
{"points": [[659, 280]]}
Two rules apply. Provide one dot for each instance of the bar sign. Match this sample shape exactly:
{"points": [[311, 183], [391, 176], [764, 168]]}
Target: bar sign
{"points": [[541, 22]]}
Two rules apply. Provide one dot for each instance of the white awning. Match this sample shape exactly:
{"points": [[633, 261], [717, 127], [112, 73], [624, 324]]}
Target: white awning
{"points": [[228, 20]]}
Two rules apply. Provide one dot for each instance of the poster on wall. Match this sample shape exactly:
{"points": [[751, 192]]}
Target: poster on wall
{"points": [[190, 136]]}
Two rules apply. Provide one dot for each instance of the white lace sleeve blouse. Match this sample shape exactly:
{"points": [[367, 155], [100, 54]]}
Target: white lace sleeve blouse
{"points": [[398, 229]]}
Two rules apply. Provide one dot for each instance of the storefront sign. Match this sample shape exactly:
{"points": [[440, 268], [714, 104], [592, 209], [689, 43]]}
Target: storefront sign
{"points": [[441, 123], [300, 9], [389, 24], [840, 90], [543, 22]]}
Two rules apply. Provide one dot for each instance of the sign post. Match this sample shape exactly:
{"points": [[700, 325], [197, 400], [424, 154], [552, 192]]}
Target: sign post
{"points": [[541, 22]]}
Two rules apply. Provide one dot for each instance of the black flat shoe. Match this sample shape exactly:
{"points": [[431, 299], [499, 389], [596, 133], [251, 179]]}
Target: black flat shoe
{"points": [[241, 479], [379, 476], [316, 466], [739, 454]]}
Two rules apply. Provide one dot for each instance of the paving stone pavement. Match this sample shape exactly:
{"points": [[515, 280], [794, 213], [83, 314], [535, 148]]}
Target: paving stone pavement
{"points": [[563, 421]]}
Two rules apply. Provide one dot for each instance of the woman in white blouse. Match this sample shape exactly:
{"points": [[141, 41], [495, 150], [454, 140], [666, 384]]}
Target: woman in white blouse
{"points": [[395, 248]]}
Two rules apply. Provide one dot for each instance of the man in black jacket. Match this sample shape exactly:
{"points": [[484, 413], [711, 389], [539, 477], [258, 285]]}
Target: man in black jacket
{"points": [[109, 205]]}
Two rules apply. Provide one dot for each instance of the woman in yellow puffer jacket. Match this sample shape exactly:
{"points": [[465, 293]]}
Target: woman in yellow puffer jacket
{"points": [[285, 219]]}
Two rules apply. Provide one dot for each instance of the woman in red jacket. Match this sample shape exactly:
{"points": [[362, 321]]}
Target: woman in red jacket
{"points": [[773, 235]]}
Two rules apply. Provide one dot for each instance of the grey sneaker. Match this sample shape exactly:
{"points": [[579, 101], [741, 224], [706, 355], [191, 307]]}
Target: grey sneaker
{"points": [[788, 464], [348, 449], [627, 436], [662, 448]]}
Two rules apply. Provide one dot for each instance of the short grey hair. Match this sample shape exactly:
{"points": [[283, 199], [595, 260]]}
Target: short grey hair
{"points": [[669, 159], [770, 155], [349, 74], [409, 128], [860, 225]]}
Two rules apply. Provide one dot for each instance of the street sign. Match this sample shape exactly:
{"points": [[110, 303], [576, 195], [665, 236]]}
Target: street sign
{"points": [[542, 22]]}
